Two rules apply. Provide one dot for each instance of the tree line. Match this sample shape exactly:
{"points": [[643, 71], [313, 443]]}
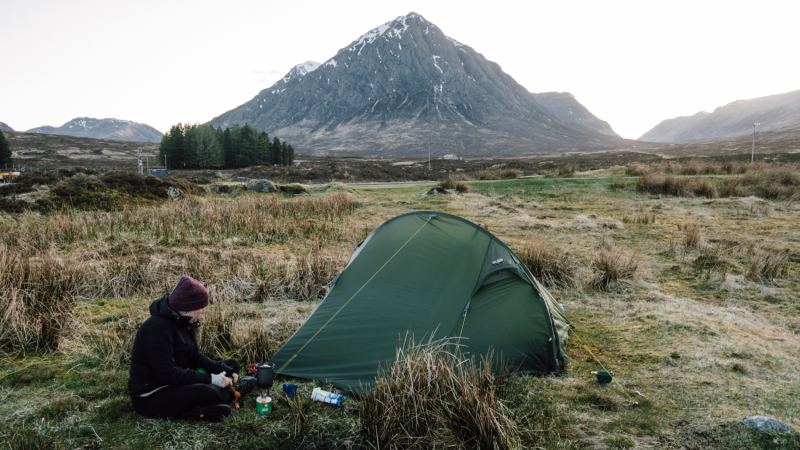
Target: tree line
{"points": [[203, 147], [5, 151]]}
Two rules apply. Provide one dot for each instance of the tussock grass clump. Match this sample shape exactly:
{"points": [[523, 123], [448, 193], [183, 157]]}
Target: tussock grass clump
{"points": [[713, 261], [765, 265], [454, 183], [567, 171], [37, 297], [693, 236], [671, 185], [431, 396], [613, 267], [771, 183], [553, 267], [637, 169], [498, 174]]}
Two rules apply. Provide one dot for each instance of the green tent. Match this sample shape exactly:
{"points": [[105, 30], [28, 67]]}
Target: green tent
{"points": [[421, 275]]}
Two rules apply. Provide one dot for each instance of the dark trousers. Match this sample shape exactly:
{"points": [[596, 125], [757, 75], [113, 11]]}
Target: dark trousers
{"points": [[173, 401]]}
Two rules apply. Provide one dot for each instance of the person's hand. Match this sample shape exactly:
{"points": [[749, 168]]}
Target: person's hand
{"points": [[221, 380], [235, 378]]}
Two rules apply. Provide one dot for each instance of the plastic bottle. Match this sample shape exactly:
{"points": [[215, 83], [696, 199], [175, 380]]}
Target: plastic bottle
{"points": [[327, 397]]}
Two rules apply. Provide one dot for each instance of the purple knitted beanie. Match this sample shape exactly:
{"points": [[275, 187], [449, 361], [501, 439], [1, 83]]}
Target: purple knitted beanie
{"points": [[188, 295]]}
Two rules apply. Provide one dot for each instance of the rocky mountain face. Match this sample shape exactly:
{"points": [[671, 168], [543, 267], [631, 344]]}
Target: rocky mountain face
{"points": [[734, 119], [5, 127], [401, 86], [564, 106], [121, 130]]}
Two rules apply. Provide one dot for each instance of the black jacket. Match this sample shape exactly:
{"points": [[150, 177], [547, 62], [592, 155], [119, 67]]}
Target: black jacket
{"points": [[165, 353]]}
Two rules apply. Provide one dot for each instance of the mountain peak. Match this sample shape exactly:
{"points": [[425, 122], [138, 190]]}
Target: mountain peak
{"points": [[405, 82], [110, 128]]}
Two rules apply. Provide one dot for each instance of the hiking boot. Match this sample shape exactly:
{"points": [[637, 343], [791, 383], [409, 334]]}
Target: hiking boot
{"points": [[211, 413], [245, 385]]}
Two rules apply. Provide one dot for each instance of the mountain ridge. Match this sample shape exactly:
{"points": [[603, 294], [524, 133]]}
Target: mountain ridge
{"points": [[400, 85], [734, 119], [110, 128]]}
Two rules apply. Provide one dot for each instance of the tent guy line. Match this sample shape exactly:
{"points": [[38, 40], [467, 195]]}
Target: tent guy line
{"points": [[354, 296]]}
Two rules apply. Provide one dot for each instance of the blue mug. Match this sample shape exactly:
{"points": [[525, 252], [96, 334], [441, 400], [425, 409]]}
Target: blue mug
{"points": [[290, 389]]}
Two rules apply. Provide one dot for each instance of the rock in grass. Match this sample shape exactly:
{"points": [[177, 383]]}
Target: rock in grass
{"points": [[767, 424], [260, 186], [217, 174]]}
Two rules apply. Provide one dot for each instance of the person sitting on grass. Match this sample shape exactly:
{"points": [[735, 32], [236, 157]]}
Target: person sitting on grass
{"points": [[164, 378]]}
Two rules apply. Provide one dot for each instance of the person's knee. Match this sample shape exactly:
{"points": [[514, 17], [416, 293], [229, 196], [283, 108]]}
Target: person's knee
{"points": [[233, 365]]}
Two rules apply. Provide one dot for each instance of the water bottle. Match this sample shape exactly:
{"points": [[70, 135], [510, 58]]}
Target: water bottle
{"points": [[327, 397]]}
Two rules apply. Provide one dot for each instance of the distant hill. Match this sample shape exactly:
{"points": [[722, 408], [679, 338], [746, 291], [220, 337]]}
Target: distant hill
{"points": [[5, 127], [122, 130], [53, 151], [404, 84], [564, 106], [670, 130], [734, 119]]}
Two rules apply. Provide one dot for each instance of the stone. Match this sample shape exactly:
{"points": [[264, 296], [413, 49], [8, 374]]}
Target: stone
{"points": [[173, 193], [260, 186], [217, 174], [437, 190], [766, 424], [451, 156], [241, 179]]}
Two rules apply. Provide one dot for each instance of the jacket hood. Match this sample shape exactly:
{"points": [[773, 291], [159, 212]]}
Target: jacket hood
{"points": [[161, 307]]}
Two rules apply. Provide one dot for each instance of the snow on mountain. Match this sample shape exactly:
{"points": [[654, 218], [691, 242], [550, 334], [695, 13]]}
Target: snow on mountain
{"points": [[402, 83], [123, 130]]}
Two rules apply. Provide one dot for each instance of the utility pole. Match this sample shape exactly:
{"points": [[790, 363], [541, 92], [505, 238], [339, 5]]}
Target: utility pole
{"points": [[753, 150], [165, 162], [139, 167]]}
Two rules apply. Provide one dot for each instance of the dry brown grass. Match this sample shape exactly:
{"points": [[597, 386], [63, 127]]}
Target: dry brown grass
{"points": [[37, 298], [771, 183], [615, 266], [498, 174], [555, 268], [430, 396], [693, 236], [454, 183], [765, 265], [671, 185]]}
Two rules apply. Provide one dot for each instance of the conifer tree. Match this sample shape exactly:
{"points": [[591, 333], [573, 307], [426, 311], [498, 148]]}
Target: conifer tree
{"points": [[172, 146], [5, 151], [263, 148]]}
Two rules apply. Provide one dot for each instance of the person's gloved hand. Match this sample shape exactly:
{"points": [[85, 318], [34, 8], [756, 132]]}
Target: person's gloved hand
{"points": [[220, 380]]}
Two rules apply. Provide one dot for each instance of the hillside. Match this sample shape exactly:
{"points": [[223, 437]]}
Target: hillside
{"points": [[401, 85], [734, 119], [122, 130], [566, 107], [4, 127]]}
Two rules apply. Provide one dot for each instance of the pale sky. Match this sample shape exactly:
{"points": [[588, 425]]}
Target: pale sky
{"points": [[160, 62]]}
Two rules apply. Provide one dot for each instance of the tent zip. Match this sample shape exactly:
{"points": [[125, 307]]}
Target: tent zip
{"points": [[430, 217]]}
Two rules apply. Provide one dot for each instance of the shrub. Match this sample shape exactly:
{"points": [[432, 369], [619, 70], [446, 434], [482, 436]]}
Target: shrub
{"points": [[614, 266], [553, 267]]}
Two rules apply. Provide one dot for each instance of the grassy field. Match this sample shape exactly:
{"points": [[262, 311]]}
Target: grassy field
{"points": [[691, 301]]}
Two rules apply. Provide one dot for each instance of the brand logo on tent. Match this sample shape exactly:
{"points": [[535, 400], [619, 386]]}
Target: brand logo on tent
{"points": [[497, 261]]}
